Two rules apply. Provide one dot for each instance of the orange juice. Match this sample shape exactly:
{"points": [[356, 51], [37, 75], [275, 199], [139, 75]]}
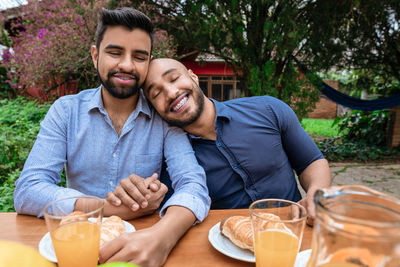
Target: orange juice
{"points": [[77, 244], [274, 247]]}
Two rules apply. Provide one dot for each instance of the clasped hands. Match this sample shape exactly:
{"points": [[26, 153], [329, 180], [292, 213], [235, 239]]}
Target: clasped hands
{"points": [[135, 193]]}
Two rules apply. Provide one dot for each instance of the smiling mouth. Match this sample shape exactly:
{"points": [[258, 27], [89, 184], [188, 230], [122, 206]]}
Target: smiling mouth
{"points": [[179, 103]]}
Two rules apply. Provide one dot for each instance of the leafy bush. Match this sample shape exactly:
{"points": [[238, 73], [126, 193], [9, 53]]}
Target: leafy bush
{"points": [[19, 125], [7, 192], [364, 127], [5, 88], [362, 138], [335, 149]]}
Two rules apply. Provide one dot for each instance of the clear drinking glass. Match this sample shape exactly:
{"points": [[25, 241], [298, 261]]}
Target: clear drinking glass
{"points": [[355, 226], [76, 238], [278, 227]]}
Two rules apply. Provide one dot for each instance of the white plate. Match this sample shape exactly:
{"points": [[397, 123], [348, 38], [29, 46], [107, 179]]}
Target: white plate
{"points": [[226, 247], [46, 246]]}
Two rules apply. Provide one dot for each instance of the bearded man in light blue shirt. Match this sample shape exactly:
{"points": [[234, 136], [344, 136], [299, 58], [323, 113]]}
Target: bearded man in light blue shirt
{"points": [[109, 136]]}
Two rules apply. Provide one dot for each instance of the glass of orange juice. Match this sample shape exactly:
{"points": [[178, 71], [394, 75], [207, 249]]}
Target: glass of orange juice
{"points": [[278, 227], [75, 234]]}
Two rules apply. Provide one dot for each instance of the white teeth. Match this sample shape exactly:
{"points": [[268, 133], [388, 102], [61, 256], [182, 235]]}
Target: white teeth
{"points": [[181, 103], [125, 78]]}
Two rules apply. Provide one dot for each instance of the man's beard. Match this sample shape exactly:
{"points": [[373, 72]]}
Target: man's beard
{"points": [[198, 97], [120, 92]]}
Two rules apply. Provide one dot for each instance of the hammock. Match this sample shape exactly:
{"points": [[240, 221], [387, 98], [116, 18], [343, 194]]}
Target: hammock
{"points": [[353, 102]]}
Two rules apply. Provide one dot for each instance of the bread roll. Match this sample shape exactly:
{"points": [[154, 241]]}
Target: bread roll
{"points": [[239, 230], [111, 228]]}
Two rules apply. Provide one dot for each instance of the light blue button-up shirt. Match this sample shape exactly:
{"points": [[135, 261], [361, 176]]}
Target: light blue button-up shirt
{"points": [[77, 133]]}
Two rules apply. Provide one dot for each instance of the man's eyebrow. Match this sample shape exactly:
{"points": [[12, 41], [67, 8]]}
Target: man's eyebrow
{"points": [[111, 46], [142, 52], [162, 75], [168, 71]]}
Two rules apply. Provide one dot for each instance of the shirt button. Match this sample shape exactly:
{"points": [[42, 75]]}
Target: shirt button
{"points": [[218, 144], [235, 166], [111, 183], [114, 155]]}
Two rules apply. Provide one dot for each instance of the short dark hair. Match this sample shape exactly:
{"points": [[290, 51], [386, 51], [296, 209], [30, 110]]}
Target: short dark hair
{"points": [[126, 16]]}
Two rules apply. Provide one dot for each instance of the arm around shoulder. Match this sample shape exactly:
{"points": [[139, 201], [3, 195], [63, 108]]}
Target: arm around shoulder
{"points": [[188, 178]]}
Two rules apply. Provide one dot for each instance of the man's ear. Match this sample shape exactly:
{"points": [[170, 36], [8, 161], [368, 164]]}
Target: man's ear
{"points": [[194, 76], [95, 55]]}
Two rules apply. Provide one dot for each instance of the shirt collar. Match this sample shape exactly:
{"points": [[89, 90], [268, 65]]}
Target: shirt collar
{"points": [[221, 110], [142, 104]]}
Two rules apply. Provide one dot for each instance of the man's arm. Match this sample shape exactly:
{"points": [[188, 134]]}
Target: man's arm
{"points": [[303, 154], [151, 246], [316, 176], [37, 184]]}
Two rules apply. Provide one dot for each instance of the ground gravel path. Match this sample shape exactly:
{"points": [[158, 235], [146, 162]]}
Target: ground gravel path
{"points": [[383, 177]]}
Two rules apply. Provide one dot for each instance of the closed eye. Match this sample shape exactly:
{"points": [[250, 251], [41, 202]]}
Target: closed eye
{"points": [[174, 78], [156, 93], [114, 53]]}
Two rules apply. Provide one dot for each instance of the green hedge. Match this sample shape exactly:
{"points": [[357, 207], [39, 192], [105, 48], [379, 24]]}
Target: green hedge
{"points": [[19, 125]]}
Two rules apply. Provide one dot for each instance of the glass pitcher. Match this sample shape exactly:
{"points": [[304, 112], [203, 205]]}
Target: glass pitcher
{"points": [[355, 227]]}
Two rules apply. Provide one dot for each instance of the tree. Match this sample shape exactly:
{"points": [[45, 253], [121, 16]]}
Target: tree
{"points": [[361, 37], [257, 38]]}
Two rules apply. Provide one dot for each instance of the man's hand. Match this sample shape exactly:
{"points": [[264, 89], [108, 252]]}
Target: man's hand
{"points": [[316, 176], [144, 247], [136, 192], [150, 247], [308, 203]]}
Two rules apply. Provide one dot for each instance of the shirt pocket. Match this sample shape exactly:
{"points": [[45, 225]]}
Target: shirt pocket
{"points": [[147, 164]]}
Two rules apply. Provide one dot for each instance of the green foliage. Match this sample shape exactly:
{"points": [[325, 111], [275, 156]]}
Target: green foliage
{"points": [[7, 191], [5, 88], [256, 39], [19, 125], [335, 149], [373, 82], [320, 127], [362, 138], [367, 128]]}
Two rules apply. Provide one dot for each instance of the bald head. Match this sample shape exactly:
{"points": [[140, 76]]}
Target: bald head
{"points": [[161, 67], [174, 92]]}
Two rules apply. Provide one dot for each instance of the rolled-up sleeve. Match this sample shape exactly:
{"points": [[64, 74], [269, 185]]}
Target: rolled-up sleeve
{"points": [[188, 178], [37, 184]]}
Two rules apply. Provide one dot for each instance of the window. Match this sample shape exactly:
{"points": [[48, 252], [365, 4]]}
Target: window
{"points": [[220, 88]]}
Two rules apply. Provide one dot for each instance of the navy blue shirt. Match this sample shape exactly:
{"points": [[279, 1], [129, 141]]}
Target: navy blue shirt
{"points": [[259, 144]]}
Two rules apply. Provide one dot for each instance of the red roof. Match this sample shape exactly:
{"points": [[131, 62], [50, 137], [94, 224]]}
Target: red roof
{"points": [[209, 68]]}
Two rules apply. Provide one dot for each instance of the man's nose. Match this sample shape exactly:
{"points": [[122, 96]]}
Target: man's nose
{"points": [[126, 64], [171, 91]]}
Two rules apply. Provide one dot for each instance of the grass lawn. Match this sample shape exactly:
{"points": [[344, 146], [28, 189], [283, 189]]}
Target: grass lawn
{"points": [[317, 128]]}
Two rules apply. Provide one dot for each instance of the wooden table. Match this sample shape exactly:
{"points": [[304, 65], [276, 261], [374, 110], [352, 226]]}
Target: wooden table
{"points": [[193, 249]]}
